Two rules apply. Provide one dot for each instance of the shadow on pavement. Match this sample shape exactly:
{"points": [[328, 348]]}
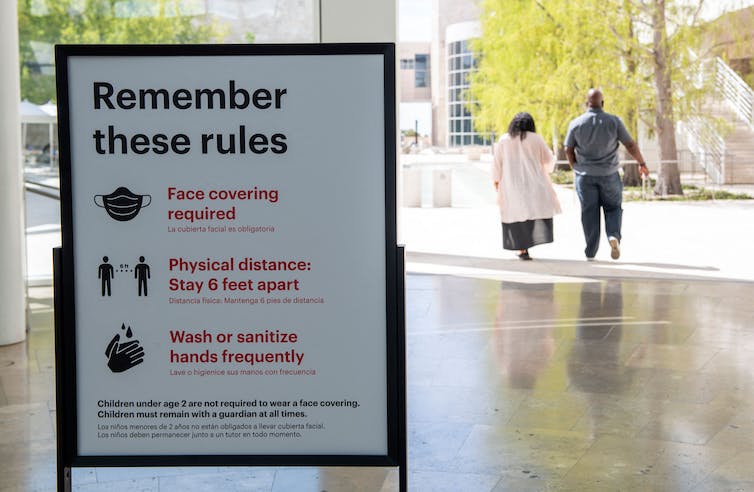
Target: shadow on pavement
{"points": [[575, 268]]}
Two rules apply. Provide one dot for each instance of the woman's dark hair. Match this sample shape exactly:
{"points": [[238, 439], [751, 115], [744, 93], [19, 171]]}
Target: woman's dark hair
{"points": [[520, 124]]}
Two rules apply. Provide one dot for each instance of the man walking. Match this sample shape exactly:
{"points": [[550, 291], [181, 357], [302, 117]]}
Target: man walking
{"points": [[592, 151]]}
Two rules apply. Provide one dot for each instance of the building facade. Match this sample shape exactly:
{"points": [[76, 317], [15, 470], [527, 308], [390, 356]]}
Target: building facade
{"points": [[414, 86], [414, 72], [454, 24], [733, 39], [460, 63]]}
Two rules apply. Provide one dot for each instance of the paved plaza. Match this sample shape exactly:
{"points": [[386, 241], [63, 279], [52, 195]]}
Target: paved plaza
{"points": [[661, 239]]}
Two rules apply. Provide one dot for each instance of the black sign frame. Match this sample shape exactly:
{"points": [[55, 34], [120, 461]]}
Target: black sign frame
{"points": [[65, 315]]}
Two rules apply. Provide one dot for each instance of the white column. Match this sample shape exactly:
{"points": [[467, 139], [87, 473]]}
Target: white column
{"points": [[365, 21], [358, 21], [12, 237]]}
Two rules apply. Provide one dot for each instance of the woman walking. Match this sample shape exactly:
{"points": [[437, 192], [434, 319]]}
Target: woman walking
{"points": [[527, 200]]}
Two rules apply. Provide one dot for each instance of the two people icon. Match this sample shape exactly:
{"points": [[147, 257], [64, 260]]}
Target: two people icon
{"points": [[106, 273]]}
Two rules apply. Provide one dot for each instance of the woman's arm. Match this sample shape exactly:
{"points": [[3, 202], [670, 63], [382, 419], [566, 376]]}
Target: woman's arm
{"points": [[497, 165], [546, 157]]}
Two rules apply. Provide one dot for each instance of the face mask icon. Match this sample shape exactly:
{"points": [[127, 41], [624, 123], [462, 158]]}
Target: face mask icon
{"points": [[122, 204]]}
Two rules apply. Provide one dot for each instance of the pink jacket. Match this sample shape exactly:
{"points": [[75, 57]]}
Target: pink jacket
{"points": [[522, 167]]}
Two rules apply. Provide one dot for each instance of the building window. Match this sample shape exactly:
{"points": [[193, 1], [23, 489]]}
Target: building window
{"points": [[461, 63], [421, 77], [407, 64]]}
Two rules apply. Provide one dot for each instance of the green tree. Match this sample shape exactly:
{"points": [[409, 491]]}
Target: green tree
{"points": [[675, 62], [42, 25], [535, 57], [542, 56]]}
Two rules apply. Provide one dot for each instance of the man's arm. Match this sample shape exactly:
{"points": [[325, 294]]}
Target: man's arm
{"points": [[633, 149], [571, 156]]}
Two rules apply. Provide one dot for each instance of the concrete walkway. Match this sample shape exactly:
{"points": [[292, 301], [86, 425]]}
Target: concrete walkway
{"points": [[661, 239]]}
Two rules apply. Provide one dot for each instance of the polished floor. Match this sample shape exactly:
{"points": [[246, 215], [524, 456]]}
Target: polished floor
{"points": [[515, 383]]}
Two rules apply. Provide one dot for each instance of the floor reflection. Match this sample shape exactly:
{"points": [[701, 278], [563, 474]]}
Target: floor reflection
{"points": [[522, 340], [593, 361], [596, 385], [600, 385]]}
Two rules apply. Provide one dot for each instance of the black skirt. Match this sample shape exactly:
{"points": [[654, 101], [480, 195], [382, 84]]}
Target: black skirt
{"points": [[524, 235]]}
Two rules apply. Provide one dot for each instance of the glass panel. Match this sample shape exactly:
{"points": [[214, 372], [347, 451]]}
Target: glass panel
{"points": [[407, 63], [421, 78], [421, 62], [180, 21]]}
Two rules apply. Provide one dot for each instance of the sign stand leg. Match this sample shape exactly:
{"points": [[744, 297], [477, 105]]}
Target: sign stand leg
{"points": [[63, 470], [401, 346], [64, 479]]}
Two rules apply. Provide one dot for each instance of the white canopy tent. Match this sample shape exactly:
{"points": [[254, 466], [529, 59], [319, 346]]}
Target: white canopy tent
{"points": [[31, 113], [50, 108], [46, 114]]}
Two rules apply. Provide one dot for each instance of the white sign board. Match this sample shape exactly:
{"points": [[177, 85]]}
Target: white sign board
{"points": [[229, 227]]}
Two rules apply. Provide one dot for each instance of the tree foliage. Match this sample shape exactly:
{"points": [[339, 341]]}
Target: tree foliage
{"points": [[44, 24], [542, 56]]}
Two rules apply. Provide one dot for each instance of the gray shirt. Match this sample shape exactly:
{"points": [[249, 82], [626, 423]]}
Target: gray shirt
{"points": [[594, 136]]}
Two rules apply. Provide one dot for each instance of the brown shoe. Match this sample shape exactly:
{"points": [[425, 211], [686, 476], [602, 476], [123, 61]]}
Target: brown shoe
{"points": [[614, 247]]}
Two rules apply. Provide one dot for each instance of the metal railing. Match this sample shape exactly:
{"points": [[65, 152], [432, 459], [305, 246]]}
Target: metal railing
{"points": [[50, 191], [707, 148], [705, 143], [735, 91]]}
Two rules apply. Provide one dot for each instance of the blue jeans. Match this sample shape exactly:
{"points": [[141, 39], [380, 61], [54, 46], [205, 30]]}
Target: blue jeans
{"points": [[597, 192]]}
